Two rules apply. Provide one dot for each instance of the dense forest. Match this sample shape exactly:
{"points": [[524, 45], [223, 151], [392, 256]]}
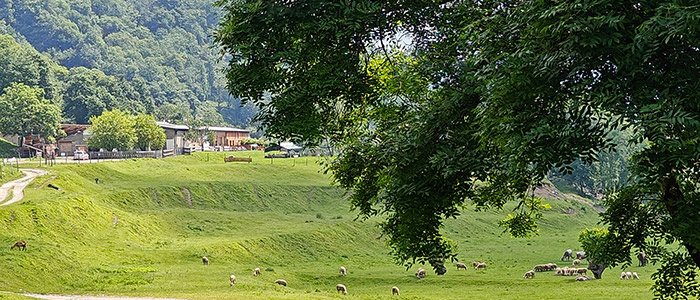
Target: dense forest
{"points": [[150, 56]]}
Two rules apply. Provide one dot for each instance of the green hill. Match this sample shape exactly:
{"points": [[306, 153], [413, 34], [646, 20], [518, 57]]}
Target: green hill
{"points": [[142, 230]]}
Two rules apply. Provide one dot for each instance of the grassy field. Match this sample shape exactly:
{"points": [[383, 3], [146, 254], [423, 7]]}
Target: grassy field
{"points": [[142, 230]]}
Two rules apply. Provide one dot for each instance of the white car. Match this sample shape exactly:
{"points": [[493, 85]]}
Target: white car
{"points": [[80, 155]]}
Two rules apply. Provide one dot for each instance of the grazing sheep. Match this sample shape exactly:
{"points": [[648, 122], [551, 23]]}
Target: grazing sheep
{"points": [[205, 260], [420, 273], [635, 276], [341, 288], [475, 264], [461, 266], [623, 275], [343, 271], [642, 257], [256, 272], [567, 255], [551, 266], [232, 279], [576, 262], [629, 275], [21, 245], [395, 290], [581, 271], [529, 274], [581, 255], [480, 266], [584, 278], [281, 282]]}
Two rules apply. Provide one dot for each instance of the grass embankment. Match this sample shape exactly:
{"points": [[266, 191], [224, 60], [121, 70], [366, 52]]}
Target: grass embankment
{"points": [[142, 230]]}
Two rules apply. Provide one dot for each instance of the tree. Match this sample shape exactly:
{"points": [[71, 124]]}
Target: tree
{"points": [[112, 130], [436, 105], [148, 134], [25, 112]]}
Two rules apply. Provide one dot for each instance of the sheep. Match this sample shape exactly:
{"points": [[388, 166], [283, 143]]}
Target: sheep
{"points": [[567, 255], [576, 262], [480, 266], [256, 272], [635, 276], [584, 278], [623, 275], [581, 271], [461, 266], [232, 279], [551, 266], [581, 254], [341, 288], [475, 264], [395, 290], [529, 274], [420, 273], [21, 245], [205, 260], [281, 282], [629, 275], [538, 268], [343, 271]]}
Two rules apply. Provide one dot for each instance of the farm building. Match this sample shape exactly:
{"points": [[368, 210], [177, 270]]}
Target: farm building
{"points": [[174, 137], [228, 136], [76, 138]]}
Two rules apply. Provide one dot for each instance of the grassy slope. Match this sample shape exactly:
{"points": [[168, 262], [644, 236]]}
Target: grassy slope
{"points": [[136, 234]]}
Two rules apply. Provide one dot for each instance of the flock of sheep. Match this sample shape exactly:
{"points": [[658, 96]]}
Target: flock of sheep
{"points": [[341, 288], [580, 273]]}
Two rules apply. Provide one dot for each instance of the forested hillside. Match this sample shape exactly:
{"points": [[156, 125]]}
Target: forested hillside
{"points": [[159, 53]]}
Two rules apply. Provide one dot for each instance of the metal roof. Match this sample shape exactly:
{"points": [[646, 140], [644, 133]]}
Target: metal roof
{"points": [[167, 125], [226, 129]]}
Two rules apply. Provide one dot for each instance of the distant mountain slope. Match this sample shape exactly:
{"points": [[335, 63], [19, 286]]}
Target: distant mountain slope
{"points": [[165, 44]]}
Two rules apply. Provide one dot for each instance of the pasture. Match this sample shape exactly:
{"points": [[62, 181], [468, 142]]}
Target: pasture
{"points": [[143, 229]]}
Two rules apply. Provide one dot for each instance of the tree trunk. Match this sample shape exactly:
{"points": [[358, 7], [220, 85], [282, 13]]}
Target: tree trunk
{"points": [[672, 197], [596, 269]]}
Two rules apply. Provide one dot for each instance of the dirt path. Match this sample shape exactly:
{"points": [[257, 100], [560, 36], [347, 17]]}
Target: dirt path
{"points": [[17, 186], [81, 297]]}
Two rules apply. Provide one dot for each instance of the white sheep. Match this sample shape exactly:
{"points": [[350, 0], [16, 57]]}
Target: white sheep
{"points": [[576, 262], [480, 266], [256, 272], [629, 275], [341, 288], [395, 290], [420, 273], [205, 260], [232, 279], [635, 276], [461, 266], [343, 271], [281, 282], [529, 274], [623, 275]]}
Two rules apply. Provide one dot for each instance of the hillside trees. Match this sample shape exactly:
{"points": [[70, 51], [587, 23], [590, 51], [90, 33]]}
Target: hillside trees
{"points": [[494, 92], [163, 48], [89, 92], [25, 112]]}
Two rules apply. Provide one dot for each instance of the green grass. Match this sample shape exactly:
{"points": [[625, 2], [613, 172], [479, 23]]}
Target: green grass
{"points": [[137, 234]]}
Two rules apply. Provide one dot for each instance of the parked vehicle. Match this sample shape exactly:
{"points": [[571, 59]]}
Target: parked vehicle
{"points": [[80, 155]]}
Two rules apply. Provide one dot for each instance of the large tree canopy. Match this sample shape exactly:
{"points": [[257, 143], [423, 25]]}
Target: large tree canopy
{"points": [[440, 104], [25, 112]]}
